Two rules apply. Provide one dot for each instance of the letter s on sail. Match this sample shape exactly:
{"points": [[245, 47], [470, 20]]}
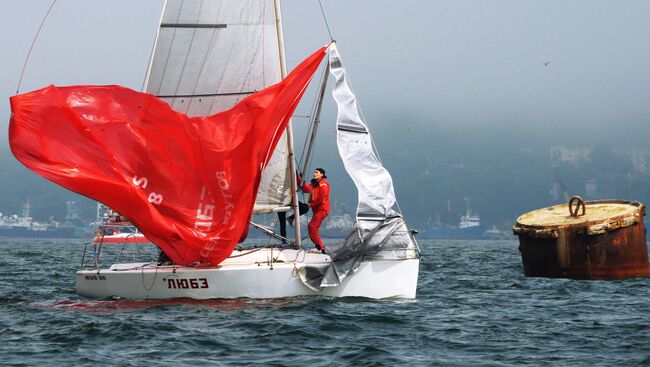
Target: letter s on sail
{"points": [[142, 181]]}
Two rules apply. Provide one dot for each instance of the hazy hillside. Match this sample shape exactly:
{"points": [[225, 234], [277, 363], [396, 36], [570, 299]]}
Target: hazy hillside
{"points": [[503, 172]]}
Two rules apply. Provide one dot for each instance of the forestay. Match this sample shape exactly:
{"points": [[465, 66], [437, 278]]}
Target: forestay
{"points": [[380, 230], [211, 54]]}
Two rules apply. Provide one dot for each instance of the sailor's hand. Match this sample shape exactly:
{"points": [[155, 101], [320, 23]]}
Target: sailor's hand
{"points": [[314, 182]]}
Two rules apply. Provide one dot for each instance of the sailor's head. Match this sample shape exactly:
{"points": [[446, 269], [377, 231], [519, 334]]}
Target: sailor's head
{"points": [[319, 173]]}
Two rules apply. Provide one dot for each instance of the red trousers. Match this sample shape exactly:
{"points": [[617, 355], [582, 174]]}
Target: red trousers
{"points": [[316, 220]]}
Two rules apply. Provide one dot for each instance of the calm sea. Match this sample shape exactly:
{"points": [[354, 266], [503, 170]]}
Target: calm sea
{"points": [[474, 307]]}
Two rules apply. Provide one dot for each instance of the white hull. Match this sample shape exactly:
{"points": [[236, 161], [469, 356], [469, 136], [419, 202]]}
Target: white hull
{"points": [[249, 275]]}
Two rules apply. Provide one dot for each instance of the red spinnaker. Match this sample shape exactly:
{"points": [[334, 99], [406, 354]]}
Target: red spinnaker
{"points": [[188, 183]]}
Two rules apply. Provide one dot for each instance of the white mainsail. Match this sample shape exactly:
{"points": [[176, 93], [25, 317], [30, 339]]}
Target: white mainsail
{"points": [[208, 56]]}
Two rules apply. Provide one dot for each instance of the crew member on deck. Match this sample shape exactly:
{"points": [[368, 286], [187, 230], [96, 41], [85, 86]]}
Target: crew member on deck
{"points": [[319, 203]]}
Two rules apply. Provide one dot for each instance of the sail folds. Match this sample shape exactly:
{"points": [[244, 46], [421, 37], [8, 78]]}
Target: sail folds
{"points": [[188, 183], [374, 184], [208, 56], [380, 230]]}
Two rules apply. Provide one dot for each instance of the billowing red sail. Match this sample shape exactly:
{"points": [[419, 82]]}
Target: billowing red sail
{"points": [[188, 183]]}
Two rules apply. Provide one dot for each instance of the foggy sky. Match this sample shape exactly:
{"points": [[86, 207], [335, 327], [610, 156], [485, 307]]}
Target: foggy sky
{"points": [[456, 63]]}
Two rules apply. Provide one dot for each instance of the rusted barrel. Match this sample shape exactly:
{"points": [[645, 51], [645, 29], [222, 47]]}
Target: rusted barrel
{"points": [[603, 239]]}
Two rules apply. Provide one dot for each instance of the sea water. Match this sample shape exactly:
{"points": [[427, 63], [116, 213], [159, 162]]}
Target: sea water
{"points": [[473, 307]]}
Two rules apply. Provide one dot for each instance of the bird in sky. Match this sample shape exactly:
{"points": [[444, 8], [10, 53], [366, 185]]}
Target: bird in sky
{"points": [[546, 63]]}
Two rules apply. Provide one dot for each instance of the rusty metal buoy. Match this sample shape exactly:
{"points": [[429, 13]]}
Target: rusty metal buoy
{"points": [[602, 239]]}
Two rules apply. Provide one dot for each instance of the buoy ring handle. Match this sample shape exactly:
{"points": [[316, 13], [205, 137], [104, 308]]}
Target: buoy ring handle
{"points": [[579, 202]]}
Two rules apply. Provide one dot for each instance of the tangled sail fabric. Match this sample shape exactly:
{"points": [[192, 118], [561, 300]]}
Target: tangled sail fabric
{"points": [[188, 183], [380, 232]]}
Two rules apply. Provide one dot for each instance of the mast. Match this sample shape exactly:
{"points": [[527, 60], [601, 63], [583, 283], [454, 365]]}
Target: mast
{"points": [[292, 162], [147, 75]]}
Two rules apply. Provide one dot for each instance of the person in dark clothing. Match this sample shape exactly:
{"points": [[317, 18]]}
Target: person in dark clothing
{"points": [[282, 218], [163, 259], [302, 209]]}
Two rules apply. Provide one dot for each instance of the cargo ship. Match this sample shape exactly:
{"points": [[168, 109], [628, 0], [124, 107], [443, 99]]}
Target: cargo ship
{"points": [[24, 226]]}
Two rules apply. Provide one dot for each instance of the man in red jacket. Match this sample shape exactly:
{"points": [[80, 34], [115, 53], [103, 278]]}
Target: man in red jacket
{"points": [[319, 203]]}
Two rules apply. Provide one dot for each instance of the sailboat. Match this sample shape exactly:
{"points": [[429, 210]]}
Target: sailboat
{"points": [[113, 228], [208, 57]]}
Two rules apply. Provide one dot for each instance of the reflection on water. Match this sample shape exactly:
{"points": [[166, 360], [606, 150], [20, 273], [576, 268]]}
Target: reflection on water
{"points": [[125, 305]]}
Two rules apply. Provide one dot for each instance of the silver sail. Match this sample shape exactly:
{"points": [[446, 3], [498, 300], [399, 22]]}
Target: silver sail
{"points": [[211, 54], [381, 232]]}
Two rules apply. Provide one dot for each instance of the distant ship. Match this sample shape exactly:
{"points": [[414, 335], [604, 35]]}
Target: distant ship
{"points": [[24, 226], [469, 227], [115, 229], [497, 234]]}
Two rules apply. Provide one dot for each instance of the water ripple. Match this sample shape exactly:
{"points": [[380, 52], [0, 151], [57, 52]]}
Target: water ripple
{"points": [[474, 307]]}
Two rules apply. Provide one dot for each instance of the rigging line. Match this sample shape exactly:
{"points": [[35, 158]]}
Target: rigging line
{"points": [[147, 72], [204, 62], [169, 50], [263, 33], [204, 94], [22, 73], [316, 114], [245, 253], [329, 30], [268, 244], [192, 25], [153, 282], [270, 233], [311, 123], [310, 141], [191, 43], [304, 146]]}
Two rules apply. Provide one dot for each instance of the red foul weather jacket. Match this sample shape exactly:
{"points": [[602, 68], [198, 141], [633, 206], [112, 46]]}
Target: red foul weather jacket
{"points": [[320, 195]]}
